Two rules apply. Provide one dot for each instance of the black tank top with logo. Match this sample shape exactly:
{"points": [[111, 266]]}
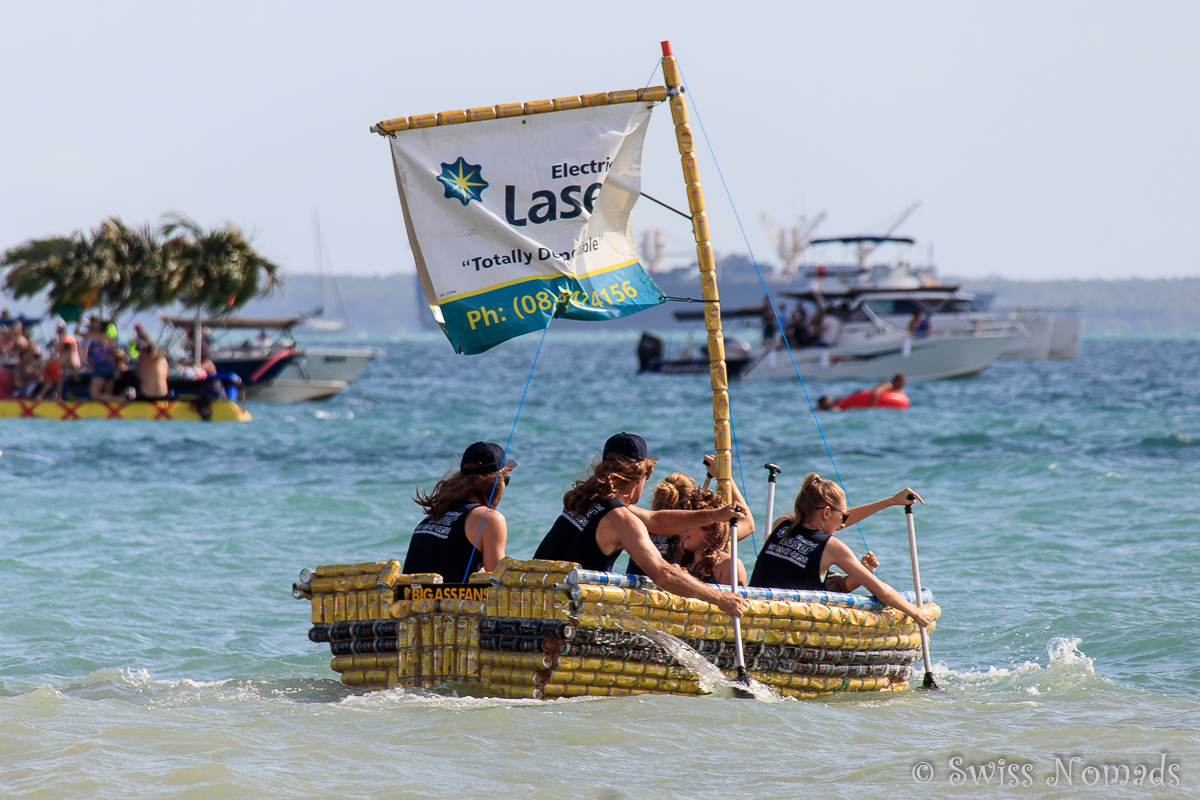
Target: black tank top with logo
{"points": [[792, 563], [573, 538], [445, 546], [665, 545]]}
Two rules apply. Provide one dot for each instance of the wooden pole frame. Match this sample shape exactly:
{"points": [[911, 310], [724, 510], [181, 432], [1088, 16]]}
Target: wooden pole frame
{"points": [[718, 375]]}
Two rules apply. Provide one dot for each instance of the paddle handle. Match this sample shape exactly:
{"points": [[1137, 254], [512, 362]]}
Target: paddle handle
{"points": [[772, 471], [916, 570], [733, 587]]}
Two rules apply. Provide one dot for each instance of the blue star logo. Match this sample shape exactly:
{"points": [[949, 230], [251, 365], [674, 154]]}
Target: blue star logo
{"points": [[463, 181]]}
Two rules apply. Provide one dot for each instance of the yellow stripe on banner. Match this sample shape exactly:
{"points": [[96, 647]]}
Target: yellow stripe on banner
{"points": [[515, 281], [652, 94]]}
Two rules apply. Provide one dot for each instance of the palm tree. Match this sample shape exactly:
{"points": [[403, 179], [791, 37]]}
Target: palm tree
{"points": [[212, 270], [62, 266], [115, 266], [131, 263]]}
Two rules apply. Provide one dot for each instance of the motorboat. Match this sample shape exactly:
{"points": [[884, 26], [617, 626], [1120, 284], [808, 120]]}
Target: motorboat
{"points": [[868, 342], [273, 367]]}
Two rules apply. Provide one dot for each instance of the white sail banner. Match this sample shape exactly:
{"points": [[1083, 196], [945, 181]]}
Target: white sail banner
{"points": [[514, 221]]}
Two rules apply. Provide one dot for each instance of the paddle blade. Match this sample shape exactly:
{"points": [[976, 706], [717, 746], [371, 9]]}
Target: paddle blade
{"points": [[929, 684], [742, 678]]}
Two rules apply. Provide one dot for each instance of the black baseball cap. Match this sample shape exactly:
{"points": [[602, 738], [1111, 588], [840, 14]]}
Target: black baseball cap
{"points": [[629, 445], [484, 457]]}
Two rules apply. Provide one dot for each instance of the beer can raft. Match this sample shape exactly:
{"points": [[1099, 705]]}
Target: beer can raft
{"points": [[549, 629]]}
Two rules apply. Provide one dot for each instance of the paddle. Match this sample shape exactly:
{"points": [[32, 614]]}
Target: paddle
{"points": [[773, 471], [743, 677], [928, 683]]}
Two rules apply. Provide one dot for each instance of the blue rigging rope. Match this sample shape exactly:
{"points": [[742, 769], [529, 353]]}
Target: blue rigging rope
{"points": [[774, 311], [496, 482]]}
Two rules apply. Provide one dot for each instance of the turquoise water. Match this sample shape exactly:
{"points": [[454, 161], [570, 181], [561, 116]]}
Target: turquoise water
{"points": [[149, 646]]}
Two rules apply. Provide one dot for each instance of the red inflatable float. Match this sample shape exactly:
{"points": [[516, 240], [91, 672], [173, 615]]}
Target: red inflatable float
{"points": [[862, 399]]}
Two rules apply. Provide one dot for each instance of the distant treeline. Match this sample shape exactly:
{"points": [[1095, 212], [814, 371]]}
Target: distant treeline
{"points": [[1116, 305]]}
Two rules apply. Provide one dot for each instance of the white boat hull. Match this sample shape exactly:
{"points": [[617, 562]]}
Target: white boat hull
{"points": [[330, 364], [1066, 339], [1035, 346], [931, 359], [287, 390]]}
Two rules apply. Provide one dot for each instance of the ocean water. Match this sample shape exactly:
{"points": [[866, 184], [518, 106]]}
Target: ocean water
{"points": [[149, 645]]}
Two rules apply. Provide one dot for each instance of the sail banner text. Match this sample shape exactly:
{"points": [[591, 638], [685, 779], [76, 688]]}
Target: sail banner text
{"points": [[515, 221]]}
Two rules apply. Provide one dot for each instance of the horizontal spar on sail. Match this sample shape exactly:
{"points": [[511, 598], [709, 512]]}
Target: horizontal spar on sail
{"points": [[653, 94]]}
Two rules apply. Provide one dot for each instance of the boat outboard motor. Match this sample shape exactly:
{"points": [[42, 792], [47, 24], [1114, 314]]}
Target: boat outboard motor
{"points": [[650, 351]]}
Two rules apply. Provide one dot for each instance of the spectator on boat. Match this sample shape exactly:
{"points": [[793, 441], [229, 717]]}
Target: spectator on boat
{"points": [[52, 378], [770, 329], [138, 342], [101, 353], [152, 371], [678, 491], [798, 332], [14, 341], [126, 383], [896, 384], [803, 546], [600, 520], [920, 326], [825, 328], [462, 532], [28, 375]]}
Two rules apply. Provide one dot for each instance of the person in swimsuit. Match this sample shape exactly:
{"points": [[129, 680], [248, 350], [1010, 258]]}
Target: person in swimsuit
{"points": [[804, 545], [896, 384], [600, 520], [152, 372], [101, 353], [462, 531]]}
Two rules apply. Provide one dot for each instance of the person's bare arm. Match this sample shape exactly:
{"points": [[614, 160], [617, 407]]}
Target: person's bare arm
{"points": [[900, 498], [632, 536], [672, 521], [493, 536], [879, 389], [721, 571], [844, 583], [843, 557]]}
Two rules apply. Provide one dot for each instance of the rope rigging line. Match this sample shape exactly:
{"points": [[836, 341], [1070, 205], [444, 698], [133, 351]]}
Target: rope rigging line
{"points": [[507, 444], [771, 302]]}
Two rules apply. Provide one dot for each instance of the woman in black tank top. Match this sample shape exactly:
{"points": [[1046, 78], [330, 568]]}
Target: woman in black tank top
{"points": [[462, 532], [804, 545]]}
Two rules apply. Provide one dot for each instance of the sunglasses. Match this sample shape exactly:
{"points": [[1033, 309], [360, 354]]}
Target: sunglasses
{"points": [[507, 478], [845, 514]]}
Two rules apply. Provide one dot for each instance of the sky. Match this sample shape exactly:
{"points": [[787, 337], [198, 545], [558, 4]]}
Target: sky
{"points": [[1043, 140]]}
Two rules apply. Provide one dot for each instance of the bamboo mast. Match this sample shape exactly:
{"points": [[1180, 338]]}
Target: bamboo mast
{"points": [[708, 276]]}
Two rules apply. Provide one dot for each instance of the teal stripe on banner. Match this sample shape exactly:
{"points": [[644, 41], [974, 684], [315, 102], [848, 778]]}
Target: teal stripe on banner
{"points": [[482, 321]]}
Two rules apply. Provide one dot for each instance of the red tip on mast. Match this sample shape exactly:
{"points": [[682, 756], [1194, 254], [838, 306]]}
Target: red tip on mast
{"points": [[666, 47]]}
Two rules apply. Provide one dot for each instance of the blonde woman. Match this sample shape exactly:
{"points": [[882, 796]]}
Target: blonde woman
{"points": [[803, 545]]}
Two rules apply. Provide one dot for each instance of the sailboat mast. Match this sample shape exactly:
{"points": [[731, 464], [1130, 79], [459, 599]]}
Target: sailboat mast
{"points": [[708, 276]]}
